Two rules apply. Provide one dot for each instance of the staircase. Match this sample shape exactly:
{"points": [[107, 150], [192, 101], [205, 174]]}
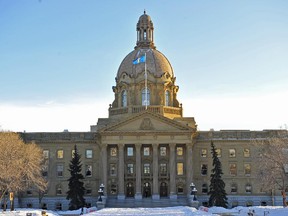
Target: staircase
{"points": [[145, 202]]}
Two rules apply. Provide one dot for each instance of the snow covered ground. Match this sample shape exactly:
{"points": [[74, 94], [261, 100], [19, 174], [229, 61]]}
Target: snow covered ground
{"points": [[175, 211]]}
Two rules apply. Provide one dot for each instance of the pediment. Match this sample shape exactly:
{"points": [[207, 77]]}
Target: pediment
{"points": [[147, 121]]}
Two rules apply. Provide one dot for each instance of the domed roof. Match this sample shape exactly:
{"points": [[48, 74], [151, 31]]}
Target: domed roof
{"points": [[156, 64]]}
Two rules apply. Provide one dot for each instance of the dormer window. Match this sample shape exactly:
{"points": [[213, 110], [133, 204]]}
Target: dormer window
{"points": [[124, 98], [145, 97], [167, 98]]}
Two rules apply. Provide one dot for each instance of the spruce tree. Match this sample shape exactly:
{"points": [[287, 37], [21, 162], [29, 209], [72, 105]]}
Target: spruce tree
{"points": [[76, 189], [217, 185]]}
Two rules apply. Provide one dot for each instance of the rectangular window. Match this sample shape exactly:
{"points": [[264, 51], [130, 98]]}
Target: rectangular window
{"points": [[232, 153], [180, 169], [146, 168], [247, 169], [129, 151], [113, 169], [204, 153], [72, 153], [60, 154], [163, 169], [218, 151], [89, 153], [246, 152], [233, 169], [130, 169], [146, 151], [45, 170], [88, 170], [60, 169], [163, 151], [113, 151], [204, 169], [179, 151], [46, 154]]}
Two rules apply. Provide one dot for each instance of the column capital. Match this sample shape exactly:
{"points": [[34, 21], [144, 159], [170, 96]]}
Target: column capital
{"points": [[172, 145], [155, 145]]}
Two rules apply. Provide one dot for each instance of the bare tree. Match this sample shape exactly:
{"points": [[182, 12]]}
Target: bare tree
{"points": [[20, 164], [273, 163]]}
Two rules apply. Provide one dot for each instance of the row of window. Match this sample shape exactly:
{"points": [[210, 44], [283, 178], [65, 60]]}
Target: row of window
{"points": [[145, 95], [232, 169], [147, 151], [231, 152], [60, 154], [130, 169], [233, 190]]}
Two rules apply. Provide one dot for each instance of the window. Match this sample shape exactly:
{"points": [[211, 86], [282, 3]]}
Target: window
{"points": [[73, 153], [130, 169], [204, 153], [60, 169], [145, 97], [248, 188], [179, 151], [234, 188], [204, 188], [58, 190], [246, 152], [45, 170], [113, 151], [46, 154], [218, 151], [60, 154], [163, 169], [146, 168], [247, 169], [88, 191], [180, 169], [113, 169], [167, 98], [146, 151], [204, 169], [129, 151], [113, 189], [58, 206], [180, 189], [233, 169], [232, 153], [29, 192], [88, 169], [124, 98], [89, 153], [29, 205], [163, 151]]}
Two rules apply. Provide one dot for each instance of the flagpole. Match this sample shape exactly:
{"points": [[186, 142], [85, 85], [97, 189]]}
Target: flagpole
{"points": [[146, 91]]}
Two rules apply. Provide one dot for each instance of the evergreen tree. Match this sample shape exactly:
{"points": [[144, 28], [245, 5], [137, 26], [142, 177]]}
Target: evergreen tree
{"points": [[217, 186], [76, 189]]}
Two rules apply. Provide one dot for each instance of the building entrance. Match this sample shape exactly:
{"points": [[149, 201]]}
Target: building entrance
{"points": [[163, 189], [129, 189], [146, 190]]}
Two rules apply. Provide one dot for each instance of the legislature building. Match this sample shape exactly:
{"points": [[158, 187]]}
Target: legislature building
{"points": [[146, 152]]}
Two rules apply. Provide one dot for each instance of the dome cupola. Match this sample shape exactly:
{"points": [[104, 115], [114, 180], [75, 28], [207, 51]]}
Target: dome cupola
{"points": [[146, 84]]}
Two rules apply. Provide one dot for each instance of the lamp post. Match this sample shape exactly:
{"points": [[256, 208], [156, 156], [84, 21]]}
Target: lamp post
{"points": [[101, 192], [193, 191]]}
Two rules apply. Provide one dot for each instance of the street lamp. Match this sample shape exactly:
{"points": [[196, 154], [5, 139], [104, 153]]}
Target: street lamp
{"points": [[101, 192], [193, 191]]}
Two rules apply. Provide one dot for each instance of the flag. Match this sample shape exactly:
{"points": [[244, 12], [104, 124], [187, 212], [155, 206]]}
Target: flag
{"points": [[140, 59]]}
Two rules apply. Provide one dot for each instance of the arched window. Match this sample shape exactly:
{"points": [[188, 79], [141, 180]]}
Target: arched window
{"points": [[145, 97], [124, 98], [167, 98]]}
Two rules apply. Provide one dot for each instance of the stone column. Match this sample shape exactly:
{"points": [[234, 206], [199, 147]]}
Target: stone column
{"points": [[189, 169], [103, 178], [121, 168], [138, 194], [155, 194], [172, 165]]}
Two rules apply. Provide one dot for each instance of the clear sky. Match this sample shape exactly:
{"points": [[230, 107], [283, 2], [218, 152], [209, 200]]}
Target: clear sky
{"points": [[59, 59]]}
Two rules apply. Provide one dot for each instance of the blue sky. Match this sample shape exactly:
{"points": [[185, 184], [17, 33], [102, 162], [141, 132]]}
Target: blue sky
{"points": [[59, 59]]}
